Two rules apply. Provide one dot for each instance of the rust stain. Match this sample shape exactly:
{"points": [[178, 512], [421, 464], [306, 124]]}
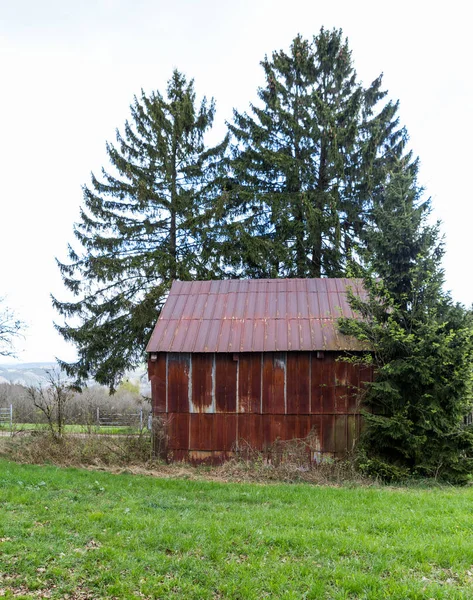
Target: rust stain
{"points": [[255, 315], [218, 403]]}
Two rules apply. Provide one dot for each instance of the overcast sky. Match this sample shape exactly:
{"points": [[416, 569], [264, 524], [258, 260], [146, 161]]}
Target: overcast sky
{"points": [[69, 71]]}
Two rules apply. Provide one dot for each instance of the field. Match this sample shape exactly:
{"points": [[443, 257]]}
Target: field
{"points": [[96, 429], [70, 533]]}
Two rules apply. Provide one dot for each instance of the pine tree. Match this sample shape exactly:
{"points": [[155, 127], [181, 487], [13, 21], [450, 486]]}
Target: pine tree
{"points": [[422, 344], [305, 162], [143, 225]]}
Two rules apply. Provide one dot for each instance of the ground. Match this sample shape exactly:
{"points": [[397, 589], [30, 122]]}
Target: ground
{"points": [[71, 533]]}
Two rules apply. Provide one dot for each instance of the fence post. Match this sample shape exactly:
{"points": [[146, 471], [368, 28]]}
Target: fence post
{"points": [[11, 419], [141, 418], [98, 416]]}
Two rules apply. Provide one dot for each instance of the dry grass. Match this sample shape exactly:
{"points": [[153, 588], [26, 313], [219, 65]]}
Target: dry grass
{"points": [[288, 462], [78, 450]]}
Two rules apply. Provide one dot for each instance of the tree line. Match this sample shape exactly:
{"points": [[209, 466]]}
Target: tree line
{"points": [[315, 179]]}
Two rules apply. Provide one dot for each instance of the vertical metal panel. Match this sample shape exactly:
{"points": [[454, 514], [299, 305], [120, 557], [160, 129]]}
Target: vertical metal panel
{"points": [[366, 375], [328, 399], [192, 334], [277, 428], [353, 372], [341, 437], [213, 337], [270, 336], [224, 431], [178, 431], [297, 426], [178, 382], [225, 336], [313, 302], [298, 383], [201, 432], [341, 399], [272, 305], [225, 382], [316, 432], [281, 334], [249, 382], [202, 383], [353, 401], [328, 433], [210, 305], [305, 340], [258, 302], [168, 308], [250, 431], [317, 333], [157, 376], [240, 306], [293, 338], [323, 372], [246, 342], [235, 335], [230, 305], [274, 428], [282, 306], [274, 380], [351, 432], [302, 306], [340, 368]]}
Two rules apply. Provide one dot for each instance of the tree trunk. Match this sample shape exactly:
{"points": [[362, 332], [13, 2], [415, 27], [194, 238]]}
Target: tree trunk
{"points": [[173, 210], [319, 205]]}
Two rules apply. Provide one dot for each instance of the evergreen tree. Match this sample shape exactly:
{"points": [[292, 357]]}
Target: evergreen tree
{"points": [[422, 342], [143, 225], [305, 161]]}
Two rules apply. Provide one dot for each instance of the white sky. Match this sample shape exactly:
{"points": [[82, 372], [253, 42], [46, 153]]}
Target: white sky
{"points": [[69, 70]]}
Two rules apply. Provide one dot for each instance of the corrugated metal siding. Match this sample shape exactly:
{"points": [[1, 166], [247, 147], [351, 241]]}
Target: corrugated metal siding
{"points": [[218, 402], [264, 315]]}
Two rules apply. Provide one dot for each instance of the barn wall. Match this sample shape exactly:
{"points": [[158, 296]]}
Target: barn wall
{"points": [[214, 403]]}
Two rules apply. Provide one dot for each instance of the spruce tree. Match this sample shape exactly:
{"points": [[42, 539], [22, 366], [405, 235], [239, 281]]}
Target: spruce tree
{"points": [[305, 161], [142, 226], [422, 344]]}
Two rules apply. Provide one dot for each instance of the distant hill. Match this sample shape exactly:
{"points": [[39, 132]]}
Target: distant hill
{"points": [[27, 373], [37, 374]]}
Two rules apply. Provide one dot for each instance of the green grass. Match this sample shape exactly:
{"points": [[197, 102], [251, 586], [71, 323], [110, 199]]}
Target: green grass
{"points": [[129, 536], [112, 430]]}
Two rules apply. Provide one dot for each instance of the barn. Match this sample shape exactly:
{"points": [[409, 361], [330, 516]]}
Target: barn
{"points": [[247, 362]]}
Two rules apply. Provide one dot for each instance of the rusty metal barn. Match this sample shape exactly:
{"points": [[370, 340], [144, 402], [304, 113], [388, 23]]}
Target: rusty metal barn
{"points": [[249, 362]]}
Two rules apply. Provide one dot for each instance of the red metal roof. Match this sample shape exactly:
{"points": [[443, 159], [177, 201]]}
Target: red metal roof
{"points": [[258, 315]]}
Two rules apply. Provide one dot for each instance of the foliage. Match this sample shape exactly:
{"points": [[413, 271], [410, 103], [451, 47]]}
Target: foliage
{"points": [[305, 161], [10, 329], [422, 344], [77, 533], [130, 387], [143, 225], [52, 400]]}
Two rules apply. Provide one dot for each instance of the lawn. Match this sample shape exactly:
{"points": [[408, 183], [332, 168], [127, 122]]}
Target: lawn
{"points": [[98, 535], [103, 430]]}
